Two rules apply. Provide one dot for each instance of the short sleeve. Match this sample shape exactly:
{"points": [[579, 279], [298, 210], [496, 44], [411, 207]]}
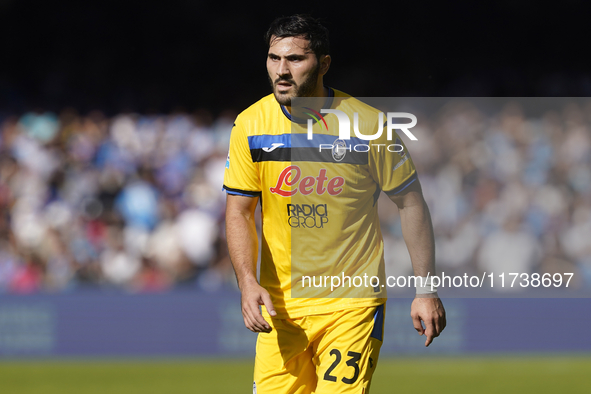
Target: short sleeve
{"points": [[241, 176], [392, 167]]}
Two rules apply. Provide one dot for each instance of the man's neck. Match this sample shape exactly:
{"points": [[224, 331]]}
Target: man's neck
{"points": [[322, 92]]}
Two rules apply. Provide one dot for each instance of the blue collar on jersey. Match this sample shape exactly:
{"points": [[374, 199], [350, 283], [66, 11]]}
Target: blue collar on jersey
{"points": [[327, 104]]}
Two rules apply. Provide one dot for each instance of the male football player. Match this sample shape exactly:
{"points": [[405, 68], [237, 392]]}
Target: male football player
{"points": [[319, 217]]}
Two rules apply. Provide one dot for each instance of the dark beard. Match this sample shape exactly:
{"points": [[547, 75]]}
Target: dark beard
{"points": [[306, 89]]}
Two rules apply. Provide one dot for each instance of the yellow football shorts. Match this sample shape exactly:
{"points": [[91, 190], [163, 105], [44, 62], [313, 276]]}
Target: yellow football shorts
{"points": [[327, 353]]}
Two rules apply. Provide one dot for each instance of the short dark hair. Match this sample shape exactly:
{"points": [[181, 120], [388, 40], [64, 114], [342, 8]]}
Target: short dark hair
{"points": [[301, 25]]}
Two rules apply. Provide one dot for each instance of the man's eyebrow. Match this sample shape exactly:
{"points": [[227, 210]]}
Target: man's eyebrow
{"points": [[290, 56], [296, 56]]}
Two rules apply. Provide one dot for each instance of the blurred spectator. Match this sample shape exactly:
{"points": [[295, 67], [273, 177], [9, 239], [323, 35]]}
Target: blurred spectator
{"points": [[510, 249]]}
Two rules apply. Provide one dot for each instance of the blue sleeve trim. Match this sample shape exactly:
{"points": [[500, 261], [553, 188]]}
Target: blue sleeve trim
{"points": [[238, 192], [406, 184]]}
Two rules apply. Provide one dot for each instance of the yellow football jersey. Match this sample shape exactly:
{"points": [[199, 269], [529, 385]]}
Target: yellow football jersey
{"points": [[319, 201]]}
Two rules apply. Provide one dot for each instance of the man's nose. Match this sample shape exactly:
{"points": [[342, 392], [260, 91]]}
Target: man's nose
{"points": [[283, 68]]}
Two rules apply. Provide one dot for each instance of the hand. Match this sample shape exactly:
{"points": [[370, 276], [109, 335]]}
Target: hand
{"points": [[432, 313], [254, 295]]}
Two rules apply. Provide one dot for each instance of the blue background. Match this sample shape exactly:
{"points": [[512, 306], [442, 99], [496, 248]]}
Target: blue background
{"points": [[210, 324]]}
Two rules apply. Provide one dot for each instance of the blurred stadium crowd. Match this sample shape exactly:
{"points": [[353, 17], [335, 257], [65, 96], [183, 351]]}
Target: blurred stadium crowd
{"points": [[135, 201], [131, 201], [507, 193]]}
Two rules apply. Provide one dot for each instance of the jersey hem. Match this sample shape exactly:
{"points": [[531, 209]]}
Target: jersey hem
{"points": [[312, 310]]}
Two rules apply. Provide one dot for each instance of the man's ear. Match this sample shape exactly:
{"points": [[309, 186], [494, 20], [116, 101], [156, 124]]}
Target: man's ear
{"points": [[324, 64]]}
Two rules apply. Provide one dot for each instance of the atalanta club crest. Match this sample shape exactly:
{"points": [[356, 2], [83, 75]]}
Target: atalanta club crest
{"points": [[339, 149]]}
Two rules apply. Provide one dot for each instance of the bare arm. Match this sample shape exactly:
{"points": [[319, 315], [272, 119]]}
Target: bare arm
{"points": [[243, 247], [417, 231]]}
